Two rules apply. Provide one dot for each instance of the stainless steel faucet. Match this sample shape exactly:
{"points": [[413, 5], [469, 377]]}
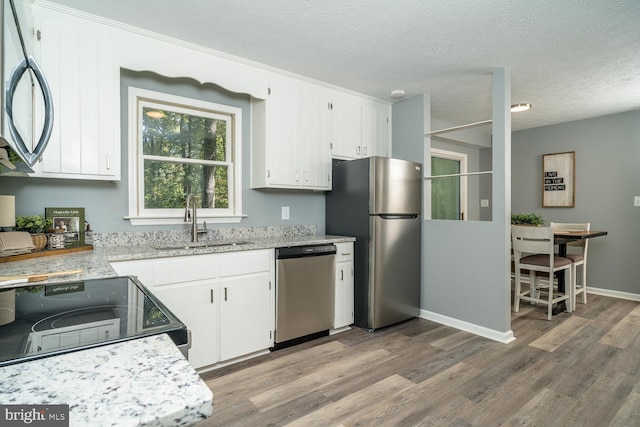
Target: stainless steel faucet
{"points": [[194, 226]]}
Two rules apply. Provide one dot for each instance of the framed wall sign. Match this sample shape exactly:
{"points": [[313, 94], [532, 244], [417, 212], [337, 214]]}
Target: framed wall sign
{"points": [[558, 180]]}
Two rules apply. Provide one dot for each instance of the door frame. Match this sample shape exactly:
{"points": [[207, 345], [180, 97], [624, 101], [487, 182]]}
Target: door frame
{"points": [[462, 158]]}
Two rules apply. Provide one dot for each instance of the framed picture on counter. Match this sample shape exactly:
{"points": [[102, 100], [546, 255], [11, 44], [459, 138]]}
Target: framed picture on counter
{"points": [[558, 180], [68, 222]]}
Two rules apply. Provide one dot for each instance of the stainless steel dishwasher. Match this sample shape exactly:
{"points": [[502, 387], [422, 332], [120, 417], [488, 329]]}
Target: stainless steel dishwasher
{"points": [[305, 286]]}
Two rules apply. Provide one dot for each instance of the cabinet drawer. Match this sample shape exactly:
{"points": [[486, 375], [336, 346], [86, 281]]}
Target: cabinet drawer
{"points": [[185, 269], [344, 251], [236, 263]]}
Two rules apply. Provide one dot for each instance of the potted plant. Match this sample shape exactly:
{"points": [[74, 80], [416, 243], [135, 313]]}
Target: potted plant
{"points": [[35, 225], [527, 219]]}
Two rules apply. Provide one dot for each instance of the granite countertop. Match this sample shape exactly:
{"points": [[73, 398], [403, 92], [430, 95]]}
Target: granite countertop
{"points": [[95, 264], [145, 381], [135, 383]]}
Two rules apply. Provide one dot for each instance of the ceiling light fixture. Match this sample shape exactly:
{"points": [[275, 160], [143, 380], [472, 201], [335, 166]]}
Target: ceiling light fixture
{"points": [[155, 114], [397, 93], [517, 108]]}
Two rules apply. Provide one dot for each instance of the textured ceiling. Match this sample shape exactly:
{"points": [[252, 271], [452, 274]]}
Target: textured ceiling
{"points": [[572, 59]]}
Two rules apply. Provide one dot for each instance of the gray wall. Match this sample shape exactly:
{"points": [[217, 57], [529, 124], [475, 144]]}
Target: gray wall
{"points": [[607, 178], [407, 131], [106, 202], [464, 263]]}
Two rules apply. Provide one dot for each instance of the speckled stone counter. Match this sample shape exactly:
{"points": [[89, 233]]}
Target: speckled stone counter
{"points": [[134, 383], [95, 264]]}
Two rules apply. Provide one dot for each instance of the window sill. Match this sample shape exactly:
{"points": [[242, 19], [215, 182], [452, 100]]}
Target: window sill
{"points": [[156, 220]]}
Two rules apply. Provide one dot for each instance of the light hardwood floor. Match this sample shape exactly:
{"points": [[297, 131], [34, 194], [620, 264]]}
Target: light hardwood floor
{"points": [[580, 369]]}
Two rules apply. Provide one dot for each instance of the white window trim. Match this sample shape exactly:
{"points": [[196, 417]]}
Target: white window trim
{"points": [[462, 158], [176, 216]]}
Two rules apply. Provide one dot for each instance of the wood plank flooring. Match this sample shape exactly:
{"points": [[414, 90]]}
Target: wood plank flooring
{"points": [[580, 369]]}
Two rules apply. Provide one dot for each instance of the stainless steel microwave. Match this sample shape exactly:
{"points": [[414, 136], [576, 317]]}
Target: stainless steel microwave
{"points": [[25, 90]]}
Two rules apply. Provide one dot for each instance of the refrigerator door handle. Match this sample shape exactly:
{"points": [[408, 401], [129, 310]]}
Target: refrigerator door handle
{"points": [[391, 216]]}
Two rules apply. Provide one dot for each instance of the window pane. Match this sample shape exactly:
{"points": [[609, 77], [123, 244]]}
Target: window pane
{"points": [[185, 136], [167, 184]]}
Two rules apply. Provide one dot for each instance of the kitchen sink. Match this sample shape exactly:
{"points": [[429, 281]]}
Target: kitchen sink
{"points": [[197, 245]]}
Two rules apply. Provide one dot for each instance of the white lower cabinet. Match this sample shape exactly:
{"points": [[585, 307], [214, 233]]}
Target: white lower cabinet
{"points": [[226, 300], [245, 315], [344, 293], [195, 304]]}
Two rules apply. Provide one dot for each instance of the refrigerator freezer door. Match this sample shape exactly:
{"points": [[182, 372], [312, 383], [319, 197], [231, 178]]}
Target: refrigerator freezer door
{"points": [[394, 277], [395, 186]]}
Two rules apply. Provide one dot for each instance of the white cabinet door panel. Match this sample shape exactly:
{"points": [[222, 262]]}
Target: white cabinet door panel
{"points": [[244, 315], [196, 306]]}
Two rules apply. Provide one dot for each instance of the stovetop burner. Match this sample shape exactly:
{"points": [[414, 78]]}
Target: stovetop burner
{"points": [[63, 317]]}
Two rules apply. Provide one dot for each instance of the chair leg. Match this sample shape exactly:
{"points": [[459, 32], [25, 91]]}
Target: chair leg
{"points": [[534, 286], [550, 301], [583, 282], [516, 293], [571, 301], [573, 294]]}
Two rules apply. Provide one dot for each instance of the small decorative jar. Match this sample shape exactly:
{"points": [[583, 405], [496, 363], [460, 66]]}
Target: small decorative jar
{"points": [[56, 241]]}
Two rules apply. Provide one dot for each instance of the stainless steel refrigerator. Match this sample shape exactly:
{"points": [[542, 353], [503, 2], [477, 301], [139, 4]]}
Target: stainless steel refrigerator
{"points": [[378, 200]]}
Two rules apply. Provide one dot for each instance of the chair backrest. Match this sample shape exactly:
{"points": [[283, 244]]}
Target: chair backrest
{"points": [[582, 244], [531, 240]]}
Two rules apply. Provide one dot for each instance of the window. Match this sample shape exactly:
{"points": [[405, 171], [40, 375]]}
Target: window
{"points": [[179, 146]]}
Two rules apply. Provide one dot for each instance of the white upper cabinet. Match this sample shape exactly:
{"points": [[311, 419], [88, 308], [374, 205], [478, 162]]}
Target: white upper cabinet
{"points": [[78, 59], [376, 129], [290, 137], [359, 127]]}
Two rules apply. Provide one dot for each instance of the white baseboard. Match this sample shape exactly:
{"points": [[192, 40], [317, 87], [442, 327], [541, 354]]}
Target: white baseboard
{"points": [[613, 294], [502, 337]]}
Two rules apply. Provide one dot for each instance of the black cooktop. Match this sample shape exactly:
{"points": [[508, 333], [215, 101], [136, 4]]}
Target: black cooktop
{"points": [[64, 317]]}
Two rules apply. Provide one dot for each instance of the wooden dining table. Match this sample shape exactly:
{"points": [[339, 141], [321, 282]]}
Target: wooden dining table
{"points": [[562, 238]]}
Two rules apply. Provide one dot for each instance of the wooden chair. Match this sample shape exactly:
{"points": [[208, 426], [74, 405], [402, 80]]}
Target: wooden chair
{"points": [[577, 253], [533, 251]]}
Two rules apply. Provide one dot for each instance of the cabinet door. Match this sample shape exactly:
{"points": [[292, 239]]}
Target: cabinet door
{"points": [[375, 129], [314, 145], [344, 292], [78, 60], [245, 315], [346, 129], [283, 128], [195, 304], [343, 310]]}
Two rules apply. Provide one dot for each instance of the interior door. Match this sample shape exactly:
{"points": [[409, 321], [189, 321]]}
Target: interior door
{"points": [[445, 192]]}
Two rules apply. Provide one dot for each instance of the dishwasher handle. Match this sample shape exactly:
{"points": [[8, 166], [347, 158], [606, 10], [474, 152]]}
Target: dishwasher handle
{"points": [[305, 251]]}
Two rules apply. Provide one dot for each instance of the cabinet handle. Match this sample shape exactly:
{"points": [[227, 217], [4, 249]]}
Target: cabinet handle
{"points": [[345, 253], [225, 294], [358, 151], [297, 176], [364, 151], [268, 173], [341, 274], [306, 176], [211, 296], [108, 162]]}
